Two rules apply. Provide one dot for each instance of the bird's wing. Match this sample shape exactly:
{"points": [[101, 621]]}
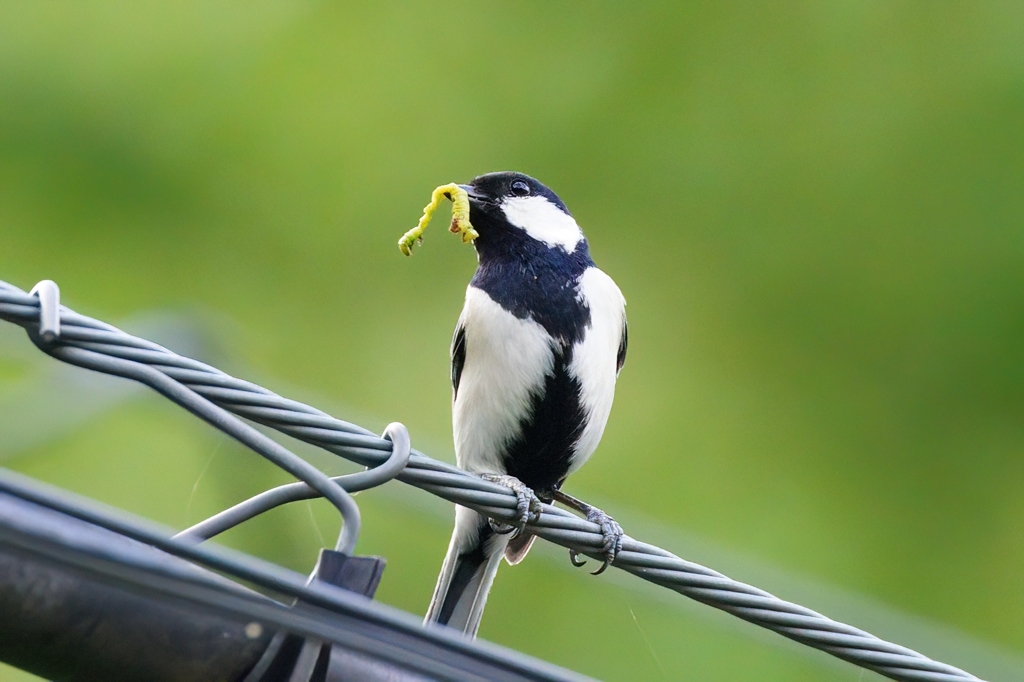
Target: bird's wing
{"points": [[458, 355], [620, 359]]}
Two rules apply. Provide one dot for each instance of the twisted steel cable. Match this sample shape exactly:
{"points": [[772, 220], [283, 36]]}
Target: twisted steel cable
{"points": [[82, 340]]}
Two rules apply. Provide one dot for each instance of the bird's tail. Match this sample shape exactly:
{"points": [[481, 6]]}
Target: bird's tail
{"points": [[467, 574]]}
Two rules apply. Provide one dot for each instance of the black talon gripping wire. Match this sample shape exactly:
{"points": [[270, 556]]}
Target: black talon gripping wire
{"points": [[212, 395]]}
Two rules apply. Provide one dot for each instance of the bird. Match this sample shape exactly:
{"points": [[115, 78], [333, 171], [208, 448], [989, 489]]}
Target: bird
{"points": [[534, 360]]}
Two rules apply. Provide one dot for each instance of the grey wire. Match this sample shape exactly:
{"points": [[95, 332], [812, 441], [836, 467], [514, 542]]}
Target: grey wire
{"points": [[293, 492], [92, 357], [229, 424], [556, 525]]}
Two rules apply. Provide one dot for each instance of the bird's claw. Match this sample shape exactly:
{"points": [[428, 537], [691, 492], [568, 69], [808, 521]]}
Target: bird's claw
{"points": [[612, 533], [527, 504]]}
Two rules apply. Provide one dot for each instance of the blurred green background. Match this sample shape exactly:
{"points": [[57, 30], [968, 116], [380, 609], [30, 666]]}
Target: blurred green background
{"points": [[813, 209]]}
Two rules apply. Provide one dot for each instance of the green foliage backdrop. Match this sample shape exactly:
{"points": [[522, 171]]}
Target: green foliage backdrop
{"points": [[813, 209]]}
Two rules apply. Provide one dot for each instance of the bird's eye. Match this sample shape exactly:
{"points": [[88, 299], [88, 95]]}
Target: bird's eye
{"points": [[520, 188]]}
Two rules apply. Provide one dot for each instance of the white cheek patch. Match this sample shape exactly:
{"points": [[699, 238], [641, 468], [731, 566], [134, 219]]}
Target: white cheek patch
{"points": [[543, 221]]}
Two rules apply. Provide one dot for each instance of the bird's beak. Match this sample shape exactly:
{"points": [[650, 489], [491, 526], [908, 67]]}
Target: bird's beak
{"points": [[474, 196]]}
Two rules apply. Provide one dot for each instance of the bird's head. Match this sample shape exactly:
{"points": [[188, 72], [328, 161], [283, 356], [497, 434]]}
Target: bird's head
{"points": [[508, 208]]}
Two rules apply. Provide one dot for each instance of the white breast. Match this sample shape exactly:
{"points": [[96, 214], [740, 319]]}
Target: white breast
{"points": [[506, 361], [594, 359]]}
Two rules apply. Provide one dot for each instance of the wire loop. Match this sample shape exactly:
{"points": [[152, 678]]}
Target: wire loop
{"points": [[293, 492]]}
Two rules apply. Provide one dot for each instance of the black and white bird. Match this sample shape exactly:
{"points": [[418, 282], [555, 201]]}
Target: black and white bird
{"points": [[535, 356]]}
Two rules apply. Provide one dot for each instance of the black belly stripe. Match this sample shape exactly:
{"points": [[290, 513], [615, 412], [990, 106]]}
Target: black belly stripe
{"points": [[541, 455]]}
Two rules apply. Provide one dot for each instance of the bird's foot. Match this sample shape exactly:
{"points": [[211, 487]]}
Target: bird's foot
{"points": [[527, 504], [612, 533], [610, 529]]}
